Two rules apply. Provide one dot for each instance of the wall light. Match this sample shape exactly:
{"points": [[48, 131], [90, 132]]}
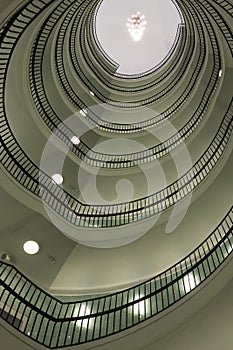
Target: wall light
{"points": [[31, 247]]}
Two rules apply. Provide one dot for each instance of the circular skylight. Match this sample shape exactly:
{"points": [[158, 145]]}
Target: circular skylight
{"points": [[31, 247], [152, 25], [58, 179]]}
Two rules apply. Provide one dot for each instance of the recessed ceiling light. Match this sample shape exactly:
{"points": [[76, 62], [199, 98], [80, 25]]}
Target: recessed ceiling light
{"points": [[75, 140], [57, 178], [92, 93], [31, 247], [220, 73]]}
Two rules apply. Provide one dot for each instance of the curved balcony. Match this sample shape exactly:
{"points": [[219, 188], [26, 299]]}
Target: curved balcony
{"points": [[116, 161], [81, 70], [26, 173], [57, 323], [54, 322]]}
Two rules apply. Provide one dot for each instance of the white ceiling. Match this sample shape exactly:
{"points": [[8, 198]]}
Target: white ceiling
{"points": [[81, 269], [133, 57]]}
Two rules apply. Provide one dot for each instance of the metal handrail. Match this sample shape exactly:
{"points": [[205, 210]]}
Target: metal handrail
{"points": [[26, 173], [55, 323], [78, 69]]}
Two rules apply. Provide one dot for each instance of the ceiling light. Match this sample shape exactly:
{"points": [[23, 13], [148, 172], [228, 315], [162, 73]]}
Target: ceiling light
{"points": [[31, 247], [92, 93], [75, 140], [220, 73], [136, 25], [57, 178]]}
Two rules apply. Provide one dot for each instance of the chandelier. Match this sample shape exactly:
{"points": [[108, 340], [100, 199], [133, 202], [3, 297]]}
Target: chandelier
{"points": [[136, 25]]}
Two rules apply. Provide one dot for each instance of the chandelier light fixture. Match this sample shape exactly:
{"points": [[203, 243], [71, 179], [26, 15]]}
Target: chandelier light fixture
{"points": [[136, 25]]}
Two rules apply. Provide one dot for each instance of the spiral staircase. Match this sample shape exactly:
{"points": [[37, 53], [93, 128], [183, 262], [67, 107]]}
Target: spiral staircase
{"points": [[137, 238]]}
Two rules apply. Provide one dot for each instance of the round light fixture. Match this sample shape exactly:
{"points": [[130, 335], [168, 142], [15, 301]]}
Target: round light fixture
{"points": [[75, 140], [31, 247], [57, 178]]}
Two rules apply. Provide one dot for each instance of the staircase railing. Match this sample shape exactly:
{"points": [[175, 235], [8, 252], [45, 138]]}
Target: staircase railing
{"points": [[55, 323]]}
